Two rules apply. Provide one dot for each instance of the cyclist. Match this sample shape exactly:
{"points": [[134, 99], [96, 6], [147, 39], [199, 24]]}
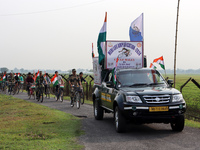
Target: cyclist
{"points": [[39, 81], [21, 79], [82, 79], [48, 82], [74, 80], [11, 81], [60, 81], [17, 82], [29, 81]]}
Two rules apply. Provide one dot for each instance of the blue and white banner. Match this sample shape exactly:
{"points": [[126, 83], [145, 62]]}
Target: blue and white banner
{"points": [[136, 29]]}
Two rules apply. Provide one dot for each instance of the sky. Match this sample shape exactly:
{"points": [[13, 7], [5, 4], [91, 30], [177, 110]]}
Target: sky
{"points": [[58, 34]]}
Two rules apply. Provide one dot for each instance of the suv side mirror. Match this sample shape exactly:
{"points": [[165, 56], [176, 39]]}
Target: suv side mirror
{"points": [[170, 82], [110, 84]]}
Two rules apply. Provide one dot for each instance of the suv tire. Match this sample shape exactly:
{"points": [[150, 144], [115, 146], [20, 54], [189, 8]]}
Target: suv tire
{"points": [[120, 121], [98, 111], [179, 123]]}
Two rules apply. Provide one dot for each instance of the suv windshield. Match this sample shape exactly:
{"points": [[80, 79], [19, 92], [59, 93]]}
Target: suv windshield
{"points": [[132, 78]]}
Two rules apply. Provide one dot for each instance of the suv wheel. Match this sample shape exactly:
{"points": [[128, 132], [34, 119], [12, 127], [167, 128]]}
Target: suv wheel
{"points": [[120, 121], [98, 111], [179, 123]]}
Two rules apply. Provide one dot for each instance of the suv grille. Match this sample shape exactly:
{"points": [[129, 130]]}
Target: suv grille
{"points": [[156, 98]]}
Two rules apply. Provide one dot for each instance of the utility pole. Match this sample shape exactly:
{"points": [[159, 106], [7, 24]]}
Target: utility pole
{"points": [[176, 44]]}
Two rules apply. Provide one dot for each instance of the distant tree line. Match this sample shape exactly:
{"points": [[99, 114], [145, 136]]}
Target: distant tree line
{"points": [[22, 70]]}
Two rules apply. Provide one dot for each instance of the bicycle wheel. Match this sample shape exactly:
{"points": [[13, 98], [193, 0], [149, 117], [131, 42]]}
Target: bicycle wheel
{"points": [[48, 93], [41, 95], [82, 98], [17, 90], [61, 95], [38, 95], [78, 100]]}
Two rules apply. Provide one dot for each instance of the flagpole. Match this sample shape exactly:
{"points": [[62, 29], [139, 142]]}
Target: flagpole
{"points": [[176, 44]]}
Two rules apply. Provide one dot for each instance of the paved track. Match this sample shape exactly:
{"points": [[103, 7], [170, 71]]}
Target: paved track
{"points": [[101, 135]]}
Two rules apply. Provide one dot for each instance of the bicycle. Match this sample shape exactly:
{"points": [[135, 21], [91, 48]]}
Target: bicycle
{"points": [[59, 94], [20, 86], [4, 87], [31, 91], [12, 89], [48, 91], [82, 96], [39, 93], [76, 98]]}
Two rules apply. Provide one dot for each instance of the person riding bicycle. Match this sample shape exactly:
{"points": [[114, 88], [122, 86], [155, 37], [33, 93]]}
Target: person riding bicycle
{"points": [[29, 81], [21, 79], [48, 82], [60, 81], [74, 80], [125, 51], [17, 82], [39, 82], [11, 81], [82, 79]]}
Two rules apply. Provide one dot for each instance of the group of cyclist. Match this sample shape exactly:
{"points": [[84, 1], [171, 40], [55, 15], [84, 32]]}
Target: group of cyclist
{"points": [[44, 81], [11, 80]]}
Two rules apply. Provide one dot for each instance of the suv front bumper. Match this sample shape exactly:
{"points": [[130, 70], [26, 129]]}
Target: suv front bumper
{"points": [[142, 114]]}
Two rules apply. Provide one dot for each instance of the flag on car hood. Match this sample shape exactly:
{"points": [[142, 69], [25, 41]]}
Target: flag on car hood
{"points": [[160, 61]]}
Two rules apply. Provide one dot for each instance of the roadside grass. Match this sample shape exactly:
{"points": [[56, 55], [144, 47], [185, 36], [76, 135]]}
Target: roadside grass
{"points": [[191, 92], [25, 125], [192, 123]]}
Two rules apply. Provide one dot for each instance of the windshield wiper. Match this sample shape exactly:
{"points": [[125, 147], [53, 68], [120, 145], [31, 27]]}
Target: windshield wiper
{"points": [[138, 84], [155, 83]]}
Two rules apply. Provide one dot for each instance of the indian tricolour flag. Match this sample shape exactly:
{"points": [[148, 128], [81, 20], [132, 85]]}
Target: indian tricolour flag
{"points": [[54, 80], [4, 77], [37, 75], [101, 40], [152, 66], [160, 61]]}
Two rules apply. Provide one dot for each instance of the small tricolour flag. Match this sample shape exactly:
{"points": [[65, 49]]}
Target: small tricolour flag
{"points": [[37, 75], [54, 80], [160, 61], [101, 40], [152, 66], [4, 77]]}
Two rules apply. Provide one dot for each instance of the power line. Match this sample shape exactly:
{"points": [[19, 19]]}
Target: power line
{"points": [[51, 10]]}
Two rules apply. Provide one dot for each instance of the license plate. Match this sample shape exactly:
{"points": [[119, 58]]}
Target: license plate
{"points": [[162, 108]]}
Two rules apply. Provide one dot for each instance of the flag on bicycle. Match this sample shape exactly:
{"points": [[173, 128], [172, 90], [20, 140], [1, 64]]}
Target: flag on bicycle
{"points": [[37, 75], [136, 29], [4, 77], [101, 40], [54, 80], [160, 61]]}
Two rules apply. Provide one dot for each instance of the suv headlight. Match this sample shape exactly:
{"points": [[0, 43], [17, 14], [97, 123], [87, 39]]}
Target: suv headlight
{"points": [[177, 98], [133, 99]]}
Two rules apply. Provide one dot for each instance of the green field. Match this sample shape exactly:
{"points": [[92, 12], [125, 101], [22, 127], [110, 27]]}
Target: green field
{"points": [[191, 93], [25, 125]]}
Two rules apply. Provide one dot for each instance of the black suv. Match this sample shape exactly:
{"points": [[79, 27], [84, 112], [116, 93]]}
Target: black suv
{"points": [[140, 96]]}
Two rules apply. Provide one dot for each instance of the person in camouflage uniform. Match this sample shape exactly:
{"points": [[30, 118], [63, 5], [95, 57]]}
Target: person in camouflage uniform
{"points": [[74, 80]]}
